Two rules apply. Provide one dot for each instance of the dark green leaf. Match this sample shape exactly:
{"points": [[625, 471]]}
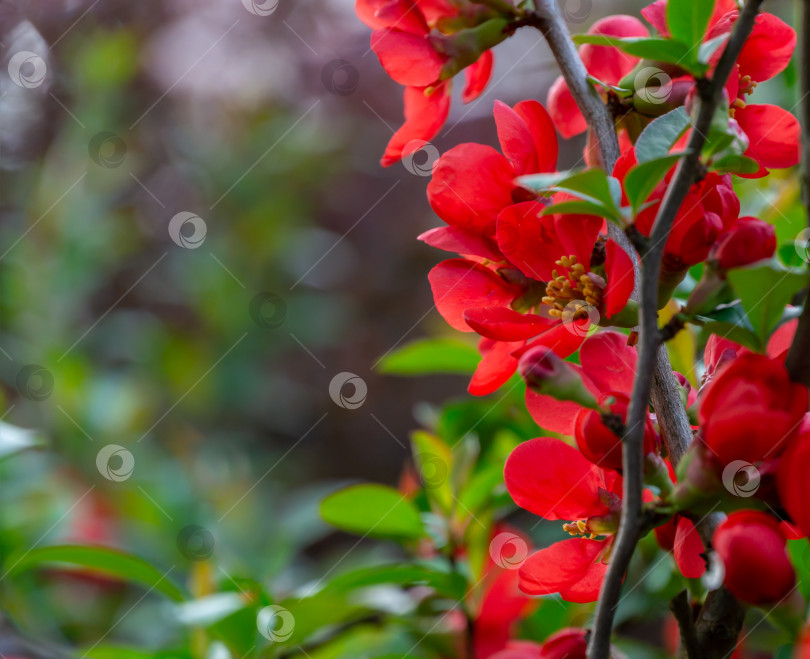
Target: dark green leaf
{"points": [[435, 461], [729, 320], [374, 510], [447, 583], [661, 134], [764, 289], [736, 164], [642, 179], [102, 560], [651, 48], [429, 356]]}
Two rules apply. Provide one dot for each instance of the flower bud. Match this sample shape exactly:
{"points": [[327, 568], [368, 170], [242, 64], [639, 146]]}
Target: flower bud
{"points": [[749, 240], [545, 373], [755, 558]]}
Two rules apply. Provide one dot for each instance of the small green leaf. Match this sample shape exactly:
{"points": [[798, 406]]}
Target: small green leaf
{"points": [[576, 208], [764, 290], [730, 321], [687, 19], [735, 164], [710, 47], [651, 48], [102, 560], [642, 179], [374, 510], [447, 583], [591, 185], [546, 181], [661, 134], [435, 462], [428, 356]]}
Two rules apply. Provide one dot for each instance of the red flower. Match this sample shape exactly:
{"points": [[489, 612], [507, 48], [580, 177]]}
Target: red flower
{"points": [[604, 63], [757, 566], [751, 410], [792, 481], [749, 240], [553, 480], [402, 41]]}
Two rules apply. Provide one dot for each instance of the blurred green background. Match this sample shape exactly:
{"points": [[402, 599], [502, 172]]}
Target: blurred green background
{"points": [[173, 379]]}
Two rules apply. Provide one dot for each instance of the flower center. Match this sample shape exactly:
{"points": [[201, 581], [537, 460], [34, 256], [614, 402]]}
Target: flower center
{"points": [[572, 283], [577, 528], [747, 87]]}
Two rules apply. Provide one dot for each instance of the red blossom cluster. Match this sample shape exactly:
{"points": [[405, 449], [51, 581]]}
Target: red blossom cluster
{"points": [[549, 293]]}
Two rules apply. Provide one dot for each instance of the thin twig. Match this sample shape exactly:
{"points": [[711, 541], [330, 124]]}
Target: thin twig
{"points": [[682, 610], [798, 359], [710, 94]]}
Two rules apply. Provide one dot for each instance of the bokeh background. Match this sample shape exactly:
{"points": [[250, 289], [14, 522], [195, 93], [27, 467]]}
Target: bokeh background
{"points": [[203, 352]]}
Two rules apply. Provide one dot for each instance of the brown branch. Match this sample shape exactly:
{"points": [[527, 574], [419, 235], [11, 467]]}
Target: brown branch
{"points": [[710, 94], [798, 359], [682, 610]]}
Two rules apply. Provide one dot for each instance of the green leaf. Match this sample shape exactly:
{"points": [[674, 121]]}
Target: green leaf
{"points": [[661, 134], [710, 47], [592, 186], [642, 179], [651, 48], [449, 584], [373, 510], [120, 652], [687, 19], [764, 289], [428, 356], [544, 182], [102, 560], [480, 488], [435, 462], [575, 208], [730, 321], [735, 164]]}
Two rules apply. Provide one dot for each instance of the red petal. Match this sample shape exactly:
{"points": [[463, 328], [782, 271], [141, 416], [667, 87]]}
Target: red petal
{"points": [[656, 15], [609, 362], [588, 587], [551, 414], [577, 233], [529, 241], [407, 58], [607, 63], [564, 110], [495, 368], [461, 241], [424, 117], [782, 339], [477, 77], [471, 184], [561, 566], [794, 486], [620, 279], [769, 48], [773, 133], [503, 324], [527, 136], [687, 549], [459, 284], [553, 480]]}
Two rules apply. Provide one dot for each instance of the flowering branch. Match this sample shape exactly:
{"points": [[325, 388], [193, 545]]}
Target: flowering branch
{"points": [[709, 97], [798, 359]]}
